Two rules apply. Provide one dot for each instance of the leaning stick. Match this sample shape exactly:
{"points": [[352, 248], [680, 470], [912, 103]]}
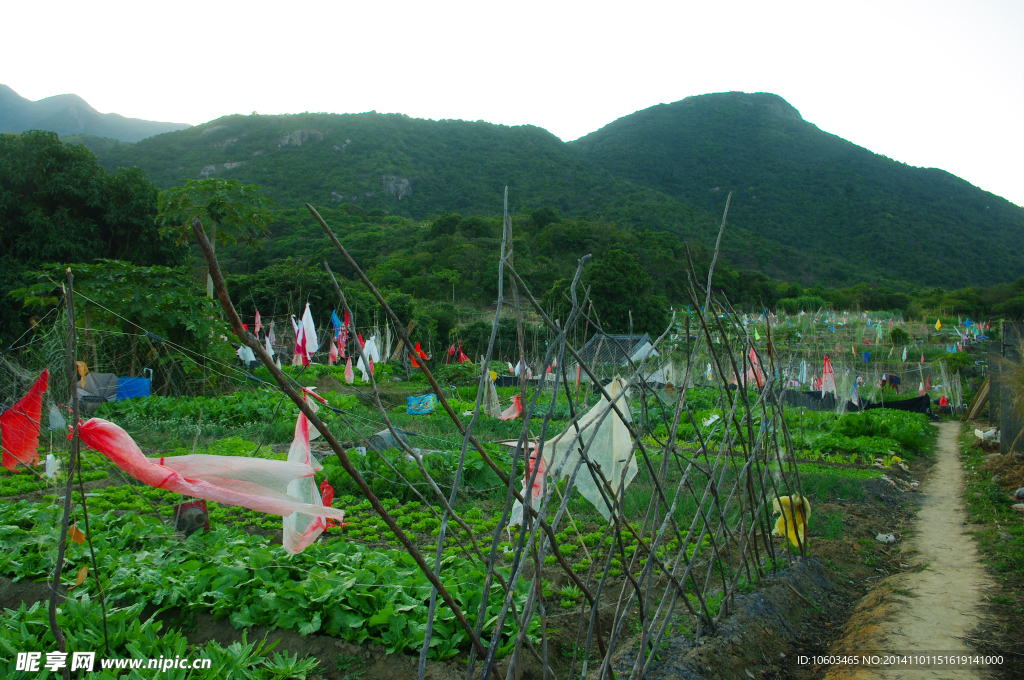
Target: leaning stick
{"points": [[225, 301]]}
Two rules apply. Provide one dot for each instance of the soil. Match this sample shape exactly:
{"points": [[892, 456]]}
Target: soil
{"points": [[933, 605]]}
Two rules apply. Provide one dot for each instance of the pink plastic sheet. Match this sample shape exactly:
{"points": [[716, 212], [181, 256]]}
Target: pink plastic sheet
{"points": [[272, 486], [513, 411]]}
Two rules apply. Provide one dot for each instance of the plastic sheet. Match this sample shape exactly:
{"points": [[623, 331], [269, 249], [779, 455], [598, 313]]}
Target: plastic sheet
{"points": [[300, 528], [255, 483], [309, 332], [419, 406], [611, 447], [491, 405], [57, 422], [371, 352], [794, 513], [513, 411], [20, 426], [130, 388], [828, 379]]}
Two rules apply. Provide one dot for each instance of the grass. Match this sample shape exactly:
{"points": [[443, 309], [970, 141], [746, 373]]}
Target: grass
{"points": [[1000, 535], [828, 525], [826, 483]]}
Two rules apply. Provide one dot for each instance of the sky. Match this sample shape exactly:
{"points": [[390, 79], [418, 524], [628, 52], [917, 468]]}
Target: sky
{"points": [[931, 84]]}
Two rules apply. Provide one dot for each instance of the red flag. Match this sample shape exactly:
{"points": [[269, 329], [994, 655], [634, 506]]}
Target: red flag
{"points": [[20, 426], [327, 494]]}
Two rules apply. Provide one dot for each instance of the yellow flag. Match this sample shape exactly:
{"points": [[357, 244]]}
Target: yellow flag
{"points": [[938, 324]]}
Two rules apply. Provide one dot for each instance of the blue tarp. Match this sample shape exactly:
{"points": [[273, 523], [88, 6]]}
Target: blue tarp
{"points": [[129, 388], [421, 405]]}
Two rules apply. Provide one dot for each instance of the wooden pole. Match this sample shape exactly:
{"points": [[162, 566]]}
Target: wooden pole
{"points": [[72, 373]]}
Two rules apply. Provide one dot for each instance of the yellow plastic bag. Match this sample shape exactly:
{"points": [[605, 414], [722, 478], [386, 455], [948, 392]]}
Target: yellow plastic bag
{"points": [[794, 514]]}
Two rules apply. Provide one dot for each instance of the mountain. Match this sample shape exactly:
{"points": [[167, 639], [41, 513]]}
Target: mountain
{"points": [[69, 114], [796, 185], [418, 168], [807, 206]]}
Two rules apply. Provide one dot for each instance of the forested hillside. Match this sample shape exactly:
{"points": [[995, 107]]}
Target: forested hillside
{"points": [[397, 165], [807, 207], [69, 114], [799, 186]]}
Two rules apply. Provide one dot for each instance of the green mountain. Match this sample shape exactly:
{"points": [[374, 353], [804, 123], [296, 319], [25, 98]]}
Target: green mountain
{"points": [[807, 206], [418, 168], [796, 185], [69, 114]]}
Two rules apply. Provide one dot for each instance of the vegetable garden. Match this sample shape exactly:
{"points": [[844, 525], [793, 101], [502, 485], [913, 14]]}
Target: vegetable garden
{"points": [[427, 561]]}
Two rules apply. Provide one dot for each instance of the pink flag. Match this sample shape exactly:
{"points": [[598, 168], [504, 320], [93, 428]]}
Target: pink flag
{"points": [[343, 338], [513, 411], [828, 378], [754, 373], [333, 356], [300, 345], [349, 375], [259, 324]]}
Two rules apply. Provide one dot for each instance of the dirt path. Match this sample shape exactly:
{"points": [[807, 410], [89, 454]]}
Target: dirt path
{"points": [[932, 608]]}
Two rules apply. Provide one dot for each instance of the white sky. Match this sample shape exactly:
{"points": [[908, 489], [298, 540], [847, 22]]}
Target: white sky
{"points": [[935, 84]]}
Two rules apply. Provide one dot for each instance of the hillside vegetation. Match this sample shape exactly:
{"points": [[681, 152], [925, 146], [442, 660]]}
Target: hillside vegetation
{"points": [[69, 114], [796, 185], [808, 206]]}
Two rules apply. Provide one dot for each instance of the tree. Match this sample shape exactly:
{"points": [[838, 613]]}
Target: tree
{"points": [[451, 276], [445, 225], [475, 227], [58, 205], [619, 286], [160, 303], [239, 210], [557, 300]]}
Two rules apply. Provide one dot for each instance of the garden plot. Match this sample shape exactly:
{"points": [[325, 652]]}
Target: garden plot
{"points": [[356, 584]]}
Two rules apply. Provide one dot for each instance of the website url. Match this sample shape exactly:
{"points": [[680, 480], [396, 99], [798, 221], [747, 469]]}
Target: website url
{"points": [[160, 664]]}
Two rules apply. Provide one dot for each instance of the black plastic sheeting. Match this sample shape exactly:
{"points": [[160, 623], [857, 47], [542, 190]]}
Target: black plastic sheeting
{"points": [[815, 401], [812, 400], [916, 405]]}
